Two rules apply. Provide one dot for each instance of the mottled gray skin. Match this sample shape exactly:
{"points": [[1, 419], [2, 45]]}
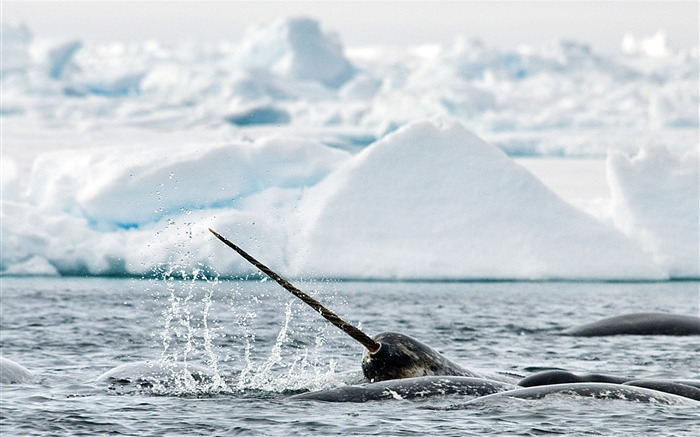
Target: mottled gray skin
{"points": [[408, 388], [640, 324], [549, 377], [686, 388], [401, 356], [595, 390], [673, 387], [13, 373]]}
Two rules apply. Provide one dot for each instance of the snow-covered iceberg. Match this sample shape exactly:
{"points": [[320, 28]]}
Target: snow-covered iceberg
{"points": [[429, 201], [655, 199], [128, 187], [433, 200]]}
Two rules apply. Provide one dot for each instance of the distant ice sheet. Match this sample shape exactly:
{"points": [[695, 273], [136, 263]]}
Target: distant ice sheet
{"points": [[561, 99]]}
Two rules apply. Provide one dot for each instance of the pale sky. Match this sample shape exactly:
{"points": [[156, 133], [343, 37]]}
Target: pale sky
{"points": [[504, 24]]}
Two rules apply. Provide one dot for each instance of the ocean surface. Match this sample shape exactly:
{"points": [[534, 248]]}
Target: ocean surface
{"points": [[262, 346]]}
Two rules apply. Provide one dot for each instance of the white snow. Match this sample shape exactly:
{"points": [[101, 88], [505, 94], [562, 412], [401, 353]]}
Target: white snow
{"points": [[655, 199], [129, 186], [365, 162], [433, 200], [654, 46]]}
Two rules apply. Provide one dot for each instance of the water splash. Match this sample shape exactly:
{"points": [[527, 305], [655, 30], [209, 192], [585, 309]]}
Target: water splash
{"points": [[188, 335], [255, 351], [261, 377], [300, 357]]}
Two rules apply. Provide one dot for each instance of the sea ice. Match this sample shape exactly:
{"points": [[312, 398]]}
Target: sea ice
{"points": [[156, 181], [117, 156], [432, 200], [655, 199]]}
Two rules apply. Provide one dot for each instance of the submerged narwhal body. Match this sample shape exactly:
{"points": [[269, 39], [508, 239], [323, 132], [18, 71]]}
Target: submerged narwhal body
{"points": [[389, 355]]}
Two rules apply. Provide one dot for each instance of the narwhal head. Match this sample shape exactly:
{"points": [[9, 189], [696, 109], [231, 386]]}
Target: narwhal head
{"points": [[401, 356]]}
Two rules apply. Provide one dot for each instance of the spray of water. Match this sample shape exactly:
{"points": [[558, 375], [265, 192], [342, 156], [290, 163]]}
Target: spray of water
{"points": [[249, 352], [188, 336], [254, 348]]}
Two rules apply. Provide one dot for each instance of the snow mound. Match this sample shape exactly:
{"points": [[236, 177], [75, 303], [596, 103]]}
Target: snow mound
{"points": [[113, 70], [296, 48], [655, 199], [110, 191], [432, 200]]}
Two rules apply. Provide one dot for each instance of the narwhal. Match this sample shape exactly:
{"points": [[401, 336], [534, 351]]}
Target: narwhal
{"points": [[399, 366], [387, 356]]}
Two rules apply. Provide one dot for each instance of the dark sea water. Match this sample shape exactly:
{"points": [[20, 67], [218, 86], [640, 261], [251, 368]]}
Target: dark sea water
{"points": [[262, 346]]}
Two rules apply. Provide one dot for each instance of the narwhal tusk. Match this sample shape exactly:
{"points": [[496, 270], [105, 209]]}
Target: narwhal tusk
{"points": [[368, 342]]}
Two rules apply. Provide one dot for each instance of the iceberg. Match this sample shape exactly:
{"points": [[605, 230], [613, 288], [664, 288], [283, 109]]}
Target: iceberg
{"points": [[154, 182], [656, 202], [432, 200], [428, 201], [296, 48]]}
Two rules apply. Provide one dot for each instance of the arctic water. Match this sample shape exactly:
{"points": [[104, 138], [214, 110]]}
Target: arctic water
{"points": [[263, 346]]}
